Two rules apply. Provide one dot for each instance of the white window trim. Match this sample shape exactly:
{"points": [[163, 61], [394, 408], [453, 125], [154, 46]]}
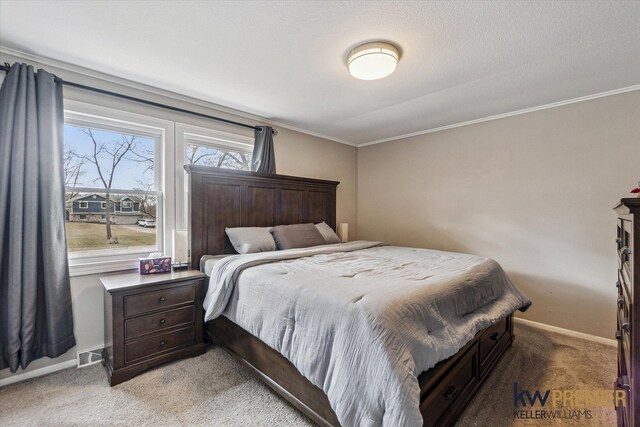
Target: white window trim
{"points": [[82, 114], [103, 205], [83, 205], [126, 204]]}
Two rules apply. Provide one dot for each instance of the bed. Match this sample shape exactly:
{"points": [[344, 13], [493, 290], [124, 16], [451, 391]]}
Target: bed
{"points": [[244, 199]]}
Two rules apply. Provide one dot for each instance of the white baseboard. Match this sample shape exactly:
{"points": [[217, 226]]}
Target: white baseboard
{"points": [[568, 332], [74, 363], [38, 372]]}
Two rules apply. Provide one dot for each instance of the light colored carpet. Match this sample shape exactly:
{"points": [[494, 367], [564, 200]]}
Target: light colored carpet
{"points": [[544, 360], [215, 390]]}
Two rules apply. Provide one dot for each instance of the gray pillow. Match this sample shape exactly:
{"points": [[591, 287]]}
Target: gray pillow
{"points": [[328, 234], [248, 240], [297, 236]]}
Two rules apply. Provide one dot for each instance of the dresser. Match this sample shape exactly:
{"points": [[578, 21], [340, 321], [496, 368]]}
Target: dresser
{"points": [[149, 320], [628, 323]]}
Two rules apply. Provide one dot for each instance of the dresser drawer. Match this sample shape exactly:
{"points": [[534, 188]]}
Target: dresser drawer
{"points": [[158, 300], [626, 274], [623, 411], [624, 346], [153, 323], [624, 286], [491, 337], [158, 344], [454, 387]]}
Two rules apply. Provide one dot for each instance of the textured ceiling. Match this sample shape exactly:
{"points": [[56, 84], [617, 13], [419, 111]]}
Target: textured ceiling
{"points": [[285, 61]]}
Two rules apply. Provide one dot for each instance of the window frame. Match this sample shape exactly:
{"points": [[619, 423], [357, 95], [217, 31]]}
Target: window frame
{"points": [[205, 136], [89, 115]]}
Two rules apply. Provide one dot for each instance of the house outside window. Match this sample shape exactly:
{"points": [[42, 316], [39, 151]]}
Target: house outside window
{"points": [[110, 163], [148, 182]]}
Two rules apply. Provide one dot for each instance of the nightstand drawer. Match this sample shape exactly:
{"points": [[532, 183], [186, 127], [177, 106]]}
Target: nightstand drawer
{"points": [[153, 323], [152, 301], [149, 320], [159, 344]]}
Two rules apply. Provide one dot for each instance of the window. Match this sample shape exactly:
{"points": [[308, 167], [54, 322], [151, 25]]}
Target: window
{"points": [[208, 155], [124, 173], [110, 163], [207, 147]]}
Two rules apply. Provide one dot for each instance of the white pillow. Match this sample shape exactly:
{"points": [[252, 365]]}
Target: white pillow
{"points": [[248, 240], [207, 262], [327, 232]]}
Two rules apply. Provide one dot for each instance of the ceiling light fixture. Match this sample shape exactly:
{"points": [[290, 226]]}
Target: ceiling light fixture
{"points": [[372, 61]]}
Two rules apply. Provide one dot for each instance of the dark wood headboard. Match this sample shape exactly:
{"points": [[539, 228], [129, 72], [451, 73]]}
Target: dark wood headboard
{"points": [[220, 198]]}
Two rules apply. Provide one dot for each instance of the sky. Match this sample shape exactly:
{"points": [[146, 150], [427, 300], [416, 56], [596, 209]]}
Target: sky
{"points": [[130, 173]]}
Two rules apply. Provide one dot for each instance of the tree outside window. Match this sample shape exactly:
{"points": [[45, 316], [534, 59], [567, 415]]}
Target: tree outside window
{"points": [[206, 155], [100, 166]]}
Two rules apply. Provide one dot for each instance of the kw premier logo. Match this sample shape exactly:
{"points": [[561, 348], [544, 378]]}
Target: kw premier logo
{"points": [[563, 404]]}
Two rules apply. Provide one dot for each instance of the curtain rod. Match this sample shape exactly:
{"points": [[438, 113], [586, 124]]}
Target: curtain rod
{"points": [[7, 67]]}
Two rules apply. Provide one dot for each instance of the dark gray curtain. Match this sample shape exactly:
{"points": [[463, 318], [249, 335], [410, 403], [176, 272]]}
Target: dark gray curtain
{"points": [[264, 159], [35, 299]]}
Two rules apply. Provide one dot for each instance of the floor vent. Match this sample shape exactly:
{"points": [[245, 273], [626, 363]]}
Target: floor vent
{"points": [[90, 356]]}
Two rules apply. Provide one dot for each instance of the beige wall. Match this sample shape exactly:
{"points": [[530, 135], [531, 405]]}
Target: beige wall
{"points": [[296, 154], [533, 191]]}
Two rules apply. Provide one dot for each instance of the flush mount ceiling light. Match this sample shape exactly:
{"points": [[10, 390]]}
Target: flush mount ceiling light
{"points": [[372, 61]]}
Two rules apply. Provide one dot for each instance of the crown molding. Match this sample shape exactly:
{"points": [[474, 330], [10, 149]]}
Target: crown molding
{"points": [[88, 72], [199, 102], [504, 115]]}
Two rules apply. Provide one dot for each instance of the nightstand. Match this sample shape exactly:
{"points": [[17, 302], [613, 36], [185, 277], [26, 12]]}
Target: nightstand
{"points": [[149, 320]]}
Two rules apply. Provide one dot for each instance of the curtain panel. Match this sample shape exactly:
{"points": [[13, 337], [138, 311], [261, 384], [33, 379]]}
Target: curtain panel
{"points": [[264, 159], [35, 299]]}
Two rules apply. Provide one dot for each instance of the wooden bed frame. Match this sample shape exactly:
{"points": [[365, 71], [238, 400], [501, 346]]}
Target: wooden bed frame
{"points": [[225, 198]]}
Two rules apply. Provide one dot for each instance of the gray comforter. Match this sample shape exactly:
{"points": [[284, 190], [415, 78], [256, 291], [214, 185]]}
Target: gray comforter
{"points": [[361, 320]]}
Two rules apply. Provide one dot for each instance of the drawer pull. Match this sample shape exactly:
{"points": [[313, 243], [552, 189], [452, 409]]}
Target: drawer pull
{"points": [[625, 251], [618, 335], [618, 240], [162, 321], [162, 299], [625, 324], [162, 343], [495, 336], [624, 383], [620, 301], [451, 392]]}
